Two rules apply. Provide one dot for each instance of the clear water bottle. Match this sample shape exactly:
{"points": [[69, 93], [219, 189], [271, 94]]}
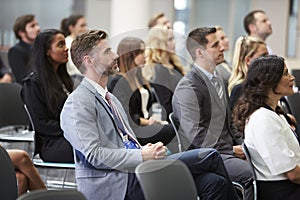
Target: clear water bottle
{"points": [[156, 111]]}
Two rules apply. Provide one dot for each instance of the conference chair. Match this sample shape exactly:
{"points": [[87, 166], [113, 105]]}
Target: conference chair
{"points": [[14, 122], [166, 179], [48, 167], [12, 112], [8, 181], [53, 195], [248, 156], [176, 124]]}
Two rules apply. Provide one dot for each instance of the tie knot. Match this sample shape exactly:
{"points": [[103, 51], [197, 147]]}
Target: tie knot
{"points": [[108, 98], [215, 80]]}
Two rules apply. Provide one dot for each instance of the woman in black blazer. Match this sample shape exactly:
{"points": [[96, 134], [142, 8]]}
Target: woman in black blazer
{"points": [[44, 93]]}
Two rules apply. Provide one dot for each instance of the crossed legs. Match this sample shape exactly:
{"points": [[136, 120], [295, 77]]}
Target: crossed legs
{"points": [[27, 175]]}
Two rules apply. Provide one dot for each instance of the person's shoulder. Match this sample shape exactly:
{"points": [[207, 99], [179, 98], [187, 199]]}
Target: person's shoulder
{"points": [[112, 82], [237, 88], [20, 47], [263, 113]]}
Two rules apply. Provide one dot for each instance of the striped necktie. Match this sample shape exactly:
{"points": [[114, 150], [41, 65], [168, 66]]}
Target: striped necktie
{"points": [[129, 140], [216, 82]]}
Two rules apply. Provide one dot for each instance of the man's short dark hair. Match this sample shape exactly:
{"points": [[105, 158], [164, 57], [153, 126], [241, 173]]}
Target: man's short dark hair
{"points": [[197, 37], [21, 22]]}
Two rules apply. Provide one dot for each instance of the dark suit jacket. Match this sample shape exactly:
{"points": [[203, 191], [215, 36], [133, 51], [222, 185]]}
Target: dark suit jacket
{"points": [[164, 83], [19, 58], [131, 100], [205, 120], [236, 93]]}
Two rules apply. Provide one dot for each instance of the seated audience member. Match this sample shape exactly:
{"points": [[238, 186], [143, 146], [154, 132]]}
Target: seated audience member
{"points": [[246, 49], [44, 92], [107, 151], [5, 76], [28, 177], [163, 68], [26, 29], [200, 103], [71, 28], [135, 93], [273, 145], [159, 19], [224, 69]]}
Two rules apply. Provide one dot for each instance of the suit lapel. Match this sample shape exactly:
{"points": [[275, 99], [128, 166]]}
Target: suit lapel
{"points": [[99, 101], [212, 90]]}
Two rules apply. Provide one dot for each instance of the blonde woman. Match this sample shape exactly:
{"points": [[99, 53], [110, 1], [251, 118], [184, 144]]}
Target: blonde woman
{"points": [[246, 49], [163, 68]]}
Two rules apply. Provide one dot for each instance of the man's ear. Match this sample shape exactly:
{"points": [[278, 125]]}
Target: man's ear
{"points": [[21, 33], [87, 61], [252, 28], [199, 52]]}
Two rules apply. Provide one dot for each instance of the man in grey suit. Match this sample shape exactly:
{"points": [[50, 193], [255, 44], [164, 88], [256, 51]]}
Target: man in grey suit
{"points": [[200, 102], [106, 150]]}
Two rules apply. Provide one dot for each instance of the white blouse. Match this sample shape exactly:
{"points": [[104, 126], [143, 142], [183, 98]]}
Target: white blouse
{"points": [[145, 98], [272, 144]]}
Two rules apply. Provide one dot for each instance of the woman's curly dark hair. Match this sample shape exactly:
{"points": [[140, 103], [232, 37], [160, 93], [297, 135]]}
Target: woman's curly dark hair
{"points": [[264, 74]]}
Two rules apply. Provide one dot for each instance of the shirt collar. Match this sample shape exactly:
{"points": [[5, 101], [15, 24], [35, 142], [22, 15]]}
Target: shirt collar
{"points": [[207, 74], [102, 91]]}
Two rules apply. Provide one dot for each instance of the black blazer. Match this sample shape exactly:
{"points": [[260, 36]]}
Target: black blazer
{"points": [[46, 124], [19, 57]]}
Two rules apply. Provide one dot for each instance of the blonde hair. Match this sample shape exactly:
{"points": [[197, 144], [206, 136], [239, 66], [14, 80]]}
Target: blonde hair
{"points": [[245, 46], [157, 52]]}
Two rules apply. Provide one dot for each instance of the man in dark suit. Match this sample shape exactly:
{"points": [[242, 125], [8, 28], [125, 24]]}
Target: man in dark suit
{"points": [[26, 29], [200, 102], [106, 150]]}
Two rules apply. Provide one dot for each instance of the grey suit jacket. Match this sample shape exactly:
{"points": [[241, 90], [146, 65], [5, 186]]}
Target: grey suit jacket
{"points": [[101, 160], [204, 118]]}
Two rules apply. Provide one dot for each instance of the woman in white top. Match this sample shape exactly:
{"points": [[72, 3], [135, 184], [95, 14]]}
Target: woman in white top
{"points": [[273, 145]]}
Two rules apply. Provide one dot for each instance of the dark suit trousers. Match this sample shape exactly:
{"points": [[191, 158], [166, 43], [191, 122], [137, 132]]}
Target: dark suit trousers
{"points": [[210, 175]]}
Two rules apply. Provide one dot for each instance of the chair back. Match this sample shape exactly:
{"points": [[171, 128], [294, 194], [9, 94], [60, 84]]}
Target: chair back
{"points": [[12, 112], [8, 181], [166, 179], [175, 123], [248, 156], [53, 195]]}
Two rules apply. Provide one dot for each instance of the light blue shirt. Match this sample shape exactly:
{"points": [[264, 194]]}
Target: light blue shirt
{"points": [[206, 73]]}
